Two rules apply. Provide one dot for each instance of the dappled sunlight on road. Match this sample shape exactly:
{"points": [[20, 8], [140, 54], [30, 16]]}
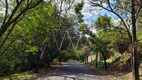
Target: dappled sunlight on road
{"points": [[73, 70]]}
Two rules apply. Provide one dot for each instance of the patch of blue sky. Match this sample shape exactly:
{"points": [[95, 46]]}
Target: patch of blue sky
{"points": [[90, 16], [93, 17]]}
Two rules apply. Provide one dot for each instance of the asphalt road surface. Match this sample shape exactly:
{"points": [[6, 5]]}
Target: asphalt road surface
{"points": [[73, 70]]}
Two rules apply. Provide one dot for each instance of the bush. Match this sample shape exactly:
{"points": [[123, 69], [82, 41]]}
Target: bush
{"points": [[55, 61]]}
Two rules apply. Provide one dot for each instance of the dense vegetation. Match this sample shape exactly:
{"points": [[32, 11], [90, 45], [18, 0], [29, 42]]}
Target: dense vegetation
{"points": [[33, 33]]}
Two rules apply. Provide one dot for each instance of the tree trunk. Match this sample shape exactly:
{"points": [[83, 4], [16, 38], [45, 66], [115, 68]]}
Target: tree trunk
{"points": [[10, 77], [105, 63], [132, 63], [48, 63], [96, 59], [43, 55], [134, 39], [87, 59], [135, 64], [99, 56]]}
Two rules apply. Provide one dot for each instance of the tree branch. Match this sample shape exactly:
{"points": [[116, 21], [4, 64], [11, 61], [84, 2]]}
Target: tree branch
{"points": [[10, 20], [125, 25], [6, 12]]}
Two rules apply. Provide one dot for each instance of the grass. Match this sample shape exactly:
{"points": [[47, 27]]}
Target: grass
{"points": [[112, 60], [101, 67], [27, 75], [21, 76], [116, 63], [116, 60]]}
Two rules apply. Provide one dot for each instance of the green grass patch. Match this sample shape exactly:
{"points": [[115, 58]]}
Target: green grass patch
{"points": [[100, 66], [20, 76], [116, 60]]}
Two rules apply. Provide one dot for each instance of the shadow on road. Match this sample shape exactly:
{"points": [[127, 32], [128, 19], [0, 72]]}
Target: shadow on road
{"points": [[72, 70]]}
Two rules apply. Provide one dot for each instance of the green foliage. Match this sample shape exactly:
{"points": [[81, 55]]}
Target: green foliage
{"points": [[71, 54], [83, 27], [1, 18], [109, 37], [23, 47], [77, 10], [24, 76], [103, 23], [29, 36], [78, 7]]}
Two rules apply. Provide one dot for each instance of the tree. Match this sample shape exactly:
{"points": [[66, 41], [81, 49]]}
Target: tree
{"points": [[101, 44], [33, 30], [77, 10], [13, 14], [103, 23], [134, 39], [118, 7]]}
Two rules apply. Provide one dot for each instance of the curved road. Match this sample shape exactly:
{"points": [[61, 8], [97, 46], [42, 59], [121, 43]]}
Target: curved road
{"points": [[73, 70]]}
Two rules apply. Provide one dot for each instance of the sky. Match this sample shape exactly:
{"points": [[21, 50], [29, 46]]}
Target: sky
{"points": [[92, 13]]}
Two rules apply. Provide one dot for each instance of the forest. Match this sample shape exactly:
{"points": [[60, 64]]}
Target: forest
{"points": [[41, 34]]}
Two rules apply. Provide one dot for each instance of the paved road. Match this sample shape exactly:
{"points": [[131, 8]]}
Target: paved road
{"points": [[73, 70]]}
